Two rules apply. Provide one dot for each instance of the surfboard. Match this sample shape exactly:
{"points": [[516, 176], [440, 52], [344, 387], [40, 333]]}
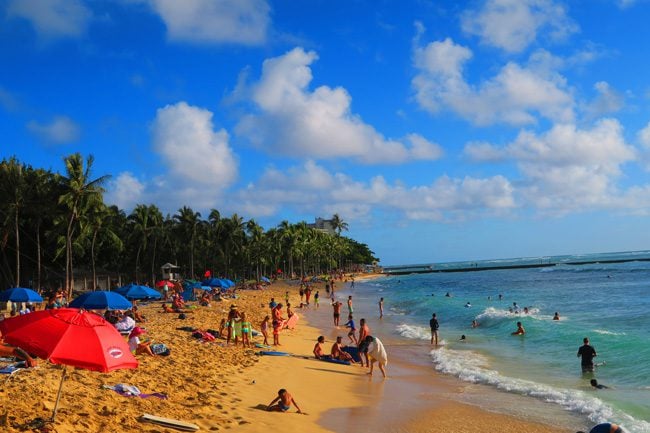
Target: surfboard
{"points": [[262, 346], [291, 323], [353, 351], [169, 422], [335, 361], [273, 353]]}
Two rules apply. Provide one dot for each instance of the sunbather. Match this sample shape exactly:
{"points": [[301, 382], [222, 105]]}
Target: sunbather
{"points": [[11, 351]]}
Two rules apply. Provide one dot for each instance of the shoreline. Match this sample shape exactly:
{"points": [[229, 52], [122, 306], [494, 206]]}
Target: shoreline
{"points": [[219, 388]]}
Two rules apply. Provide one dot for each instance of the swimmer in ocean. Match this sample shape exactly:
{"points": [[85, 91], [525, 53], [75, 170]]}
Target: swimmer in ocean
{"points": [[556, 316], [597, 385], [520, 329]]}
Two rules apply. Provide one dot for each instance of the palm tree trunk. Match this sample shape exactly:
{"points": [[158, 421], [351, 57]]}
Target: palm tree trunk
{"points": [[17, 248], [92, 257], [153, 261], [137, 265], [38, 257]]}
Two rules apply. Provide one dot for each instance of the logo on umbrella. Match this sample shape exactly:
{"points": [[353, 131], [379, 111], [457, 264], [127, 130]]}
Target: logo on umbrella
{"points": [[115, 352]]}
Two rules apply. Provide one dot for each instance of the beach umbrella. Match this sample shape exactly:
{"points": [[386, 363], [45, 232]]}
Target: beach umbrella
{"points": [[213, 282], [101, 300], [206, 288], [163, 283], [20, 294], [227, 283], [265, 279], [134, 291], [69, 336]]}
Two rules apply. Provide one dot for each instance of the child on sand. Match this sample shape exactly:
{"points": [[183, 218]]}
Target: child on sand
{"points": [[284, 401], [264, 328], [136, 346], [246, 331], [353, 330]]}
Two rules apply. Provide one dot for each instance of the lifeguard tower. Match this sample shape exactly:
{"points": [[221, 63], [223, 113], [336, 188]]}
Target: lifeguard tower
{"points": [[170, 272]]}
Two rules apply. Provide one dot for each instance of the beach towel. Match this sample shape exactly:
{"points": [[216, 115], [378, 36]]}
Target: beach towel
{"points": [[12, 368], [378, 352], [126, 390]]}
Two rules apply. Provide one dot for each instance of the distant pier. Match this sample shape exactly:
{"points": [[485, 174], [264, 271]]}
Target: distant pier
{"points": [[428, 269]]}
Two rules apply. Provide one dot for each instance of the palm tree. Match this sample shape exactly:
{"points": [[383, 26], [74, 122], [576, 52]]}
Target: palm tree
{"points": [[80, 194], [99, 228], [338, 224], [41, 188], [140, 227], [157, 228], [15, 187], [187, 221]]}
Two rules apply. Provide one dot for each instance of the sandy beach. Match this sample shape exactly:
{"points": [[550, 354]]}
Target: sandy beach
{"points": [[219, 388]]}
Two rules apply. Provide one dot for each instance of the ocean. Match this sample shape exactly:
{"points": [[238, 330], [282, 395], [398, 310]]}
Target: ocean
{"points": [[607, 302]]}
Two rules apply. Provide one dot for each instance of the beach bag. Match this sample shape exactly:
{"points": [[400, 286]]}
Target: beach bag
{"points": [[182, 316], [160, 349]]}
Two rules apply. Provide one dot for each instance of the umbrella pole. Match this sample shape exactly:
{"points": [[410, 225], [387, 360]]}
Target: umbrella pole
{"points": [[58, 395]]}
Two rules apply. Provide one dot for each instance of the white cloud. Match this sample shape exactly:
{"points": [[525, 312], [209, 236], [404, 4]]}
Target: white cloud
{"points": [[125, 191], [215, 21], [61, 130], [514, 96], [644, 136], [312, 188], [608, 101], [292, 120], [52, 18], [566, 168], [512, 25], [198, 164]]}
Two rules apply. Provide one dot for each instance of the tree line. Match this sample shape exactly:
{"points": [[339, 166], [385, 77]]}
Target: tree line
{"points": [[54, 225]]}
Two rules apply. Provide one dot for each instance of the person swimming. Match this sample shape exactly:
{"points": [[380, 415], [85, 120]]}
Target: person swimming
{"points": [[468, 305], [597, 385], [556, 316], [520, 329]]}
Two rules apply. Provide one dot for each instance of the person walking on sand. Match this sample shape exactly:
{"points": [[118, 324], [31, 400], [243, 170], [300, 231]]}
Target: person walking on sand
{"points": [[350, 309], [316, 298], [284, 401], [381, 308], [588, 353], [434, 325], [336, 305], [264, 328]]}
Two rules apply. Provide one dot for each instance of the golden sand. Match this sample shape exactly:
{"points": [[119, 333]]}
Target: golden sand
{"points": [[220, 388]]}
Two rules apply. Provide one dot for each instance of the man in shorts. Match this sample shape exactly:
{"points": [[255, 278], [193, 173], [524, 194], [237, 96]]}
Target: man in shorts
{"points": [[336, 305], [433, 324]]}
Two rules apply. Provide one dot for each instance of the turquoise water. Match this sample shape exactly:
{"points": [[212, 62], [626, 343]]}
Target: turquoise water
{"points": [[609, 303]]}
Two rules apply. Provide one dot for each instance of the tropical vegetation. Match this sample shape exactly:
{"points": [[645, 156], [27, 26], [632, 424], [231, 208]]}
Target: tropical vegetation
{"points": [[54, 227]]}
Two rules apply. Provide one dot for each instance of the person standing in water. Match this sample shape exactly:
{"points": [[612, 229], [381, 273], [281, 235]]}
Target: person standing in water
{"points": [[433, 324], [588, 353], [381, 308]]}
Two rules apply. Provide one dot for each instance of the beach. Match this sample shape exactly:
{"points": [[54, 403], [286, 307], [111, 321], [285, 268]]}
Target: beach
{"points": [[221, 388]]}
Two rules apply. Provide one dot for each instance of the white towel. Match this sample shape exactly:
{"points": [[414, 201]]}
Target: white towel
{"points": [[378, 352]]}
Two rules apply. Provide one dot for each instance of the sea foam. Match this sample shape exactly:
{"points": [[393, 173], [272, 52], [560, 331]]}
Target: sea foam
{"points": [[473, 367]]}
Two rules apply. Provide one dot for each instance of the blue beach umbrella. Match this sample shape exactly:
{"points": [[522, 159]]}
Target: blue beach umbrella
{"points": [[133, 291], [20, 294], [206, 288], [213, 282], [265, 279], [101, 300], [227, 282]]}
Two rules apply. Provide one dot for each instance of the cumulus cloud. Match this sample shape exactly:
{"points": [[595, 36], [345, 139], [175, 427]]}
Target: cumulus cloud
{"points": [[125, 191], [311, 188], [52, 18], [512, 25], [60, 130], [293, 120], [197, 162], [514, 95], [567, 168], [215, 21], [607, 101]]}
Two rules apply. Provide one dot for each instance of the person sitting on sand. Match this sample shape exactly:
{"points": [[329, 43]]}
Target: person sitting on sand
{"points": [[125, 324], [318, 351], [205, 299], [167, 309], [556, 316], [284, 401], [520, 329], [264, 328], [137, 315], [177, 303], [337, 351], [136, 346], [10, 351], [597, 385]]}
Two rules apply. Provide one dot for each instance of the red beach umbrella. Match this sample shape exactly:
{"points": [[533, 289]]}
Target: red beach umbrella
{"points": [[163, 283], [69, 336]]}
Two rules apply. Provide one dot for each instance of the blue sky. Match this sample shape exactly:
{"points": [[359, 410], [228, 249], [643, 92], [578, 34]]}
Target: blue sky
{"points": [[440, 130]]}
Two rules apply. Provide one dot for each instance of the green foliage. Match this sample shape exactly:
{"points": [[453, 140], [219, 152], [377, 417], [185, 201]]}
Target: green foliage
{"points": [[53, 226]]}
